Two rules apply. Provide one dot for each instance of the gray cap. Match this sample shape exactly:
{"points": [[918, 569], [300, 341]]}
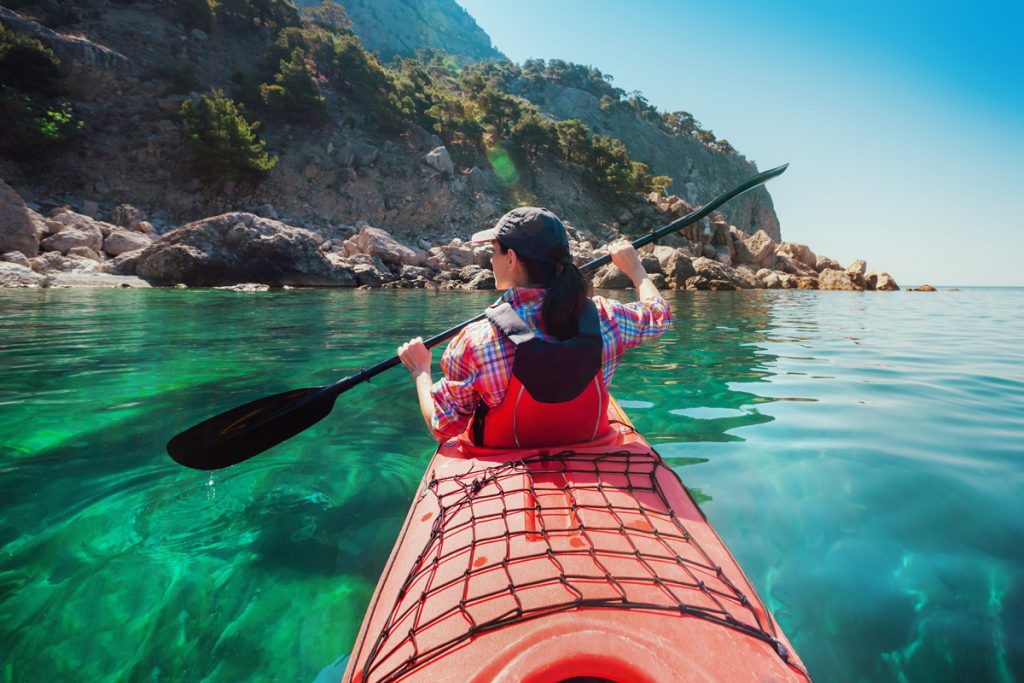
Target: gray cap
{"points": [[534, 233]]}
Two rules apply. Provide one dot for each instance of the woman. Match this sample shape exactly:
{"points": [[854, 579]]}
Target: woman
{"points": [[536, 371]]}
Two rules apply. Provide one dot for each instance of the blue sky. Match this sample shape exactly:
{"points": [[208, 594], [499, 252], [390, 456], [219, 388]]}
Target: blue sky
{"points": [[903, 122]]}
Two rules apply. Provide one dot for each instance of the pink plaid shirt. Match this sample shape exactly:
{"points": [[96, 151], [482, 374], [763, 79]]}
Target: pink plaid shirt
{"points": [[477, 365]]}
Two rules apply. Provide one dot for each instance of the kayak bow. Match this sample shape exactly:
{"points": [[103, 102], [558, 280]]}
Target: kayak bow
{"points": [[589, 561]]}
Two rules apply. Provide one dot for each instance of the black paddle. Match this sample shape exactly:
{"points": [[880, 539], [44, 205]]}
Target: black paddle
{"points": [[240, 433]]}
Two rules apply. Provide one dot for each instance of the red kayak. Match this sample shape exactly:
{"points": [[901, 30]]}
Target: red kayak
{"points": [[578, 563]]}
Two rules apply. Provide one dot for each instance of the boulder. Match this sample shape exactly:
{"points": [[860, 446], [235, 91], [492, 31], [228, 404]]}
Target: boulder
{"points": [[800, 253], [806, 282], [482, 256], [761, 248], [713, 270], [881, 282], [678, 268], [379, 243], [240, 247], [609, 276], [121, 241], [20, 226], [16, 257], [69, 238], [86, 253], [16, 275], [922, 288], [480, 180], [55, 262], [749, 276], [414, 273], [663, 252], [788, 264], [739, 247], [123, 264], [826, 263], [440, 160], [127, 216], [771, 280], [723, 255], [457, 255], [788, 281], [650, 263], [856, 272], [484, 279], [836, 279]]}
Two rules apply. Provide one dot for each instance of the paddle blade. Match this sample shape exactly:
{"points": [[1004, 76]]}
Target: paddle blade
{"points": [[245, 431]]}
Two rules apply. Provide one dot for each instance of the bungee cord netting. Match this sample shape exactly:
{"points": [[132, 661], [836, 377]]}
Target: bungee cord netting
{"points": [[544, 534]]}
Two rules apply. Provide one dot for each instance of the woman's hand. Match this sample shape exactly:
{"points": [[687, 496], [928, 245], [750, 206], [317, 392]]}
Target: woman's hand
{"points": [[415, 356], [626, 259]]}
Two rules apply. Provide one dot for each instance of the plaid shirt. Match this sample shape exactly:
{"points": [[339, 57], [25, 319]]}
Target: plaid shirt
{"points": [[477, 365]]}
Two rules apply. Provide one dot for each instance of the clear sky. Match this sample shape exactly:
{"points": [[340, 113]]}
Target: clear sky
{"points": [[903, 121]]}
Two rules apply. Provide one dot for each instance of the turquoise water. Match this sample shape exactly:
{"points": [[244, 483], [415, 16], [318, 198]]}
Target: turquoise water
{"points": [[862, 454]]}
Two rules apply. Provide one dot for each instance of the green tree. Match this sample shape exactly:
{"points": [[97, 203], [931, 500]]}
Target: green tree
{"points": [[195, 14], [274, 14], [533, 133], [223, 141], [660, 182], [25, 64], [294, 94], [500, 110], [32, 117], [329, 15], [573, 139]]}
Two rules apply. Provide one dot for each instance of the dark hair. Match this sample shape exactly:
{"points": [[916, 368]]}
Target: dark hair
{"points": [[567, 293]]}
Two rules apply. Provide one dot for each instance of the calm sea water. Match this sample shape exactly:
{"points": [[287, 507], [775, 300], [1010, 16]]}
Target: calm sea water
{"points": [[862, 454]]}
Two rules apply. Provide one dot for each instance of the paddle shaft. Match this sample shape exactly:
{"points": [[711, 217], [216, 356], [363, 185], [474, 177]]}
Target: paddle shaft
{"points": [[364, 375]]}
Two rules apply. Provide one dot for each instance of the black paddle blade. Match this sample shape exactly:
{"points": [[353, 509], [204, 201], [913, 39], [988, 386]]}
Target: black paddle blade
{"points": [[242, 432]]}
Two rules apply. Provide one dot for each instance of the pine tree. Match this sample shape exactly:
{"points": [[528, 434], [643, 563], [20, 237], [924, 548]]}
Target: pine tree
{"points": [[223, 142]]}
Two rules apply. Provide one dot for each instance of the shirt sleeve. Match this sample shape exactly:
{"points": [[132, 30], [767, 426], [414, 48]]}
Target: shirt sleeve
{"points": [[639, 321], [455, 398]]}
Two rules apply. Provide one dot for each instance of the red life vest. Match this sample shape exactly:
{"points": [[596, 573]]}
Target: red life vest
{"points": [[556, 394]]}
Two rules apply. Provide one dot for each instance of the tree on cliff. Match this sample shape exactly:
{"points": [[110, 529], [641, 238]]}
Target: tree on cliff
{"points": [[275, 14], [223, 141], [31, 114], [294, 94]]}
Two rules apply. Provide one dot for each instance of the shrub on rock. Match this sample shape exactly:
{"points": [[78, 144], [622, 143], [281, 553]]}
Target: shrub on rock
{"points": [[223, 141]]}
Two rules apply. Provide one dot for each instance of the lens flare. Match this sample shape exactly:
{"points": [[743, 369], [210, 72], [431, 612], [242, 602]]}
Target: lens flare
{"points": [[504, 168]]}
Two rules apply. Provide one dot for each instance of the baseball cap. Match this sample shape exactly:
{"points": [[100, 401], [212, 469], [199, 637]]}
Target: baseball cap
{"points": [[534, 233]]}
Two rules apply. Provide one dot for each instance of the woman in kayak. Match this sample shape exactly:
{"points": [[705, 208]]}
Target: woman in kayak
{"points": [[536, 371]]}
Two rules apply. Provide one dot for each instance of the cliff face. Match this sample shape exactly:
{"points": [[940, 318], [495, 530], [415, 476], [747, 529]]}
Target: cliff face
{"points": [[699, 174], [133, 148], [400, 27]]}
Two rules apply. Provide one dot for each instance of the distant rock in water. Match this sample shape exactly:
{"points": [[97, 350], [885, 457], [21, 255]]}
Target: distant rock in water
{"points": [[241, 247]]}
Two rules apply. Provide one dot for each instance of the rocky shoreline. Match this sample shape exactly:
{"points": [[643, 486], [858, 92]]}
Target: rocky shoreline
{"points": [[243, 250]]}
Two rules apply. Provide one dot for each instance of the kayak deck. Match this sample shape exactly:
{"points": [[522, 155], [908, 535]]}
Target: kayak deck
{"points": [[548, 564]]}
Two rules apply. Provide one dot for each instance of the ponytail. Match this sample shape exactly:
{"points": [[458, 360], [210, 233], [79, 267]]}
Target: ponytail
{"points": [[567, 293], [563, 304]]}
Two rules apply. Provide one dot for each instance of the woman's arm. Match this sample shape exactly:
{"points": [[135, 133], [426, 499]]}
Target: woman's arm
{"points": [[417, 357], [626, 259]]}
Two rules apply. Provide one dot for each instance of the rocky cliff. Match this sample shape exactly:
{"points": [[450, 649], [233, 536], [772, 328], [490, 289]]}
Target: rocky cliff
{"points": [[401, 27], [699, 173], [398, 28]]}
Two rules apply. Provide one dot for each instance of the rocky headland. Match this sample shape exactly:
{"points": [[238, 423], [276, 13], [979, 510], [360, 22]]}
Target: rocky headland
{"points": [[351, 203]]}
